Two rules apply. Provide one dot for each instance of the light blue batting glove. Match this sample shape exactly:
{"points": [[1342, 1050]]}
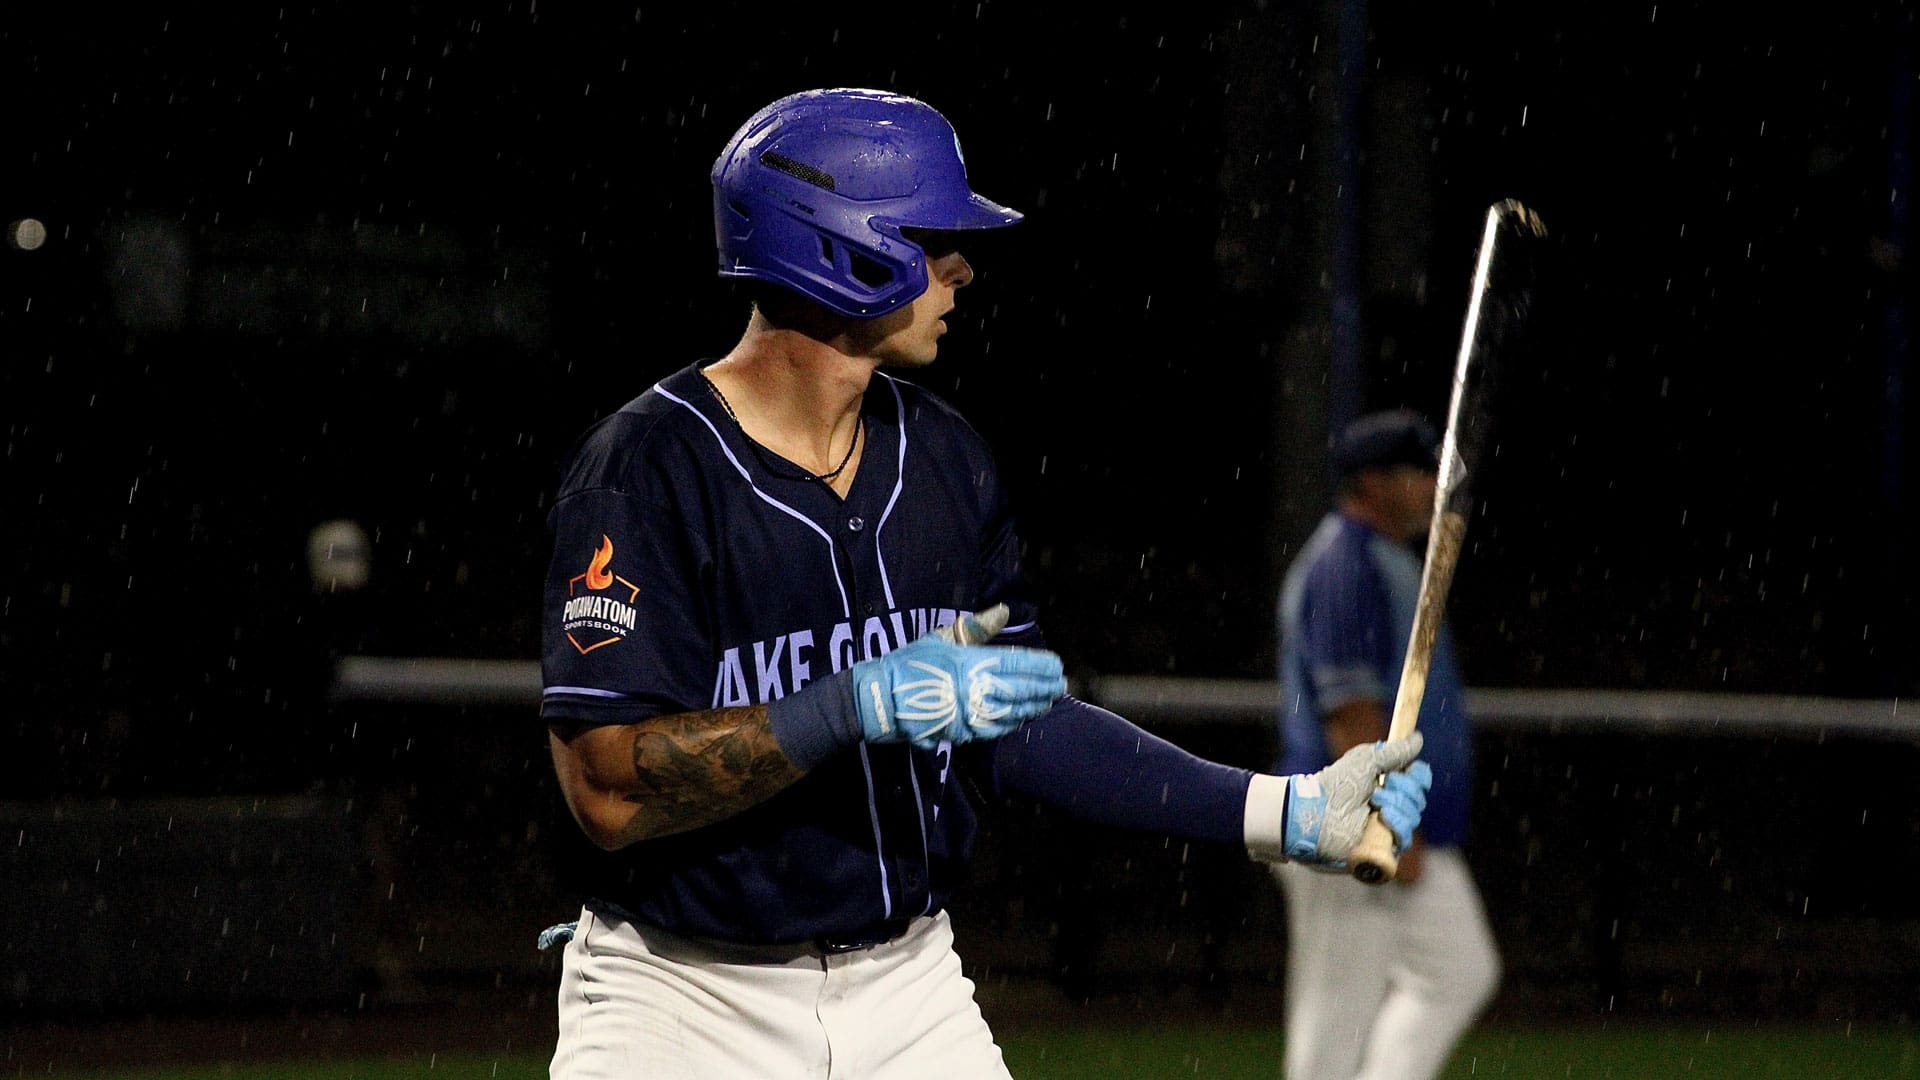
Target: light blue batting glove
{"points": [[1327, 811], [1401, 798], [946, 687]]}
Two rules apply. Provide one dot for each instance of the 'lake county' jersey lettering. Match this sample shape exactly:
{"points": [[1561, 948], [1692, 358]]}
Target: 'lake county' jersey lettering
{"points": [[756, 674], [686, 574]]}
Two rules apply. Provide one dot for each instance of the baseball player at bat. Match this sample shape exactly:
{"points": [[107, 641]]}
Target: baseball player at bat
{"points": [[785, 616], [1381, 980]]}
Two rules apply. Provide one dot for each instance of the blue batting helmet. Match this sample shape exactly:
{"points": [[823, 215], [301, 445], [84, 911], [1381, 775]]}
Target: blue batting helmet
{"points": [[813, 191]]}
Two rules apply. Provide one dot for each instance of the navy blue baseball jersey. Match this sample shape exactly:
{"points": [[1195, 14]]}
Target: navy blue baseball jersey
{"points": [[693, 569], [1346, 610]]}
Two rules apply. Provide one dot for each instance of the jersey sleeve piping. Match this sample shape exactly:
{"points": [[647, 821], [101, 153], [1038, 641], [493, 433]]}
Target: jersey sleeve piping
{"points": [[583, 691]]}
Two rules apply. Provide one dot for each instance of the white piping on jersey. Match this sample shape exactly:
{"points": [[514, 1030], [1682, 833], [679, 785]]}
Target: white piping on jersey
{"points": [[899, 482], [926, 860], [584, 691], [873, 813], [845, 607], [886, 585]]}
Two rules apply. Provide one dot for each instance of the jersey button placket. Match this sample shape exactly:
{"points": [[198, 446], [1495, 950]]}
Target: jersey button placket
{"points": [[855, 524]]}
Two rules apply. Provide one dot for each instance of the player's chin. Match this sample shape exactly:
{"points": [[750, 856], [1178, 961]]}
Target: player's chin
{"points": [[917, 355]]}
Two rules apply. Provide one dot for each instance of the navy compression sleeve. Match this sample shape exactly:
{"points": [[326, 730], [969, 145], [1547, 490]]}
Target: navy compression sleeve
{"points": [[1102, 768]]}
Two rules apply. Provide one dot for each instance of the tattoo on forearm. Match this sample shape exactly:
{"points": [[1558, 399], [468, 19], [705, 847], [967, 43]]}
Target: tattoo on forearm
{"points": [[698, 768]]}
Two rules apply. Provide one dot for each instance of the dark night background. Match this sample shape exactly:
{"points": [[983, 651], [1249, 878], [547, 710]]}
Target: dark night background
{"points": [[383, 262]]}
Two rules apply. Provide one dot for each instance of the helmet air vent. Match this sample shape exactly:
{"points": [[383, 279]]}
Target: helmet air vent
{"points": [[799, 169]]}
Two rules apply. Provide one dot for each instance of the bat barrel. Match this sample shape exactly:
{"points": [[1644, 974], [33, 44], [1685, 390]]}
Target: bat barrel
{"points": [[1498, 305]]}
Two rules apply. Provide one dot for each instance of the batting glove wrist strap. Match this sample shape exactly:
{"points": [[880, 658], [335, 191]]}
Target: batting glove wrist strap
{"points": [[816, 722], [1306, 819]]}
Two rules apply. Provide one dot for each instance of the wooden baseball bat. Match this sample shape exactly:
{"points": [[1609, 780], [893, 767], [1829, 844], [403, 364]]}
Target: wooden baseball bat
{"points": [[1501, 296]]}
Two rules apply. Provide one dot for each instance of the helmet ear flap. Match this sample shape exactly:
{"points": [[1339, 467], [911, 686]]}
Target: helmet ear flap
{"points": [[768, 241], [867, 270], [849, 262]]}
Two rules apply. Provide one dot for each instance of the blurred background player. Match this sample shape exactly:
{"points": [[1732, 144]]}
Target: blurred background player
{"points": [[1382, 979], [764, 677]]}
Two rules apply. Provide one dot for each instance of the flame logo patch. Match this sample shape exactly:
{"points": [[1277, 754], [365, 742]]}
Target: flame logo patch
{"points": [[591, 619], [597, 575]]}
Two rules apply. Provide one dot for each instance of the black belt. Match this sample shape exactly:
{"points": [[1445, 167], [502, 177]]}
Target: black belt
{"points": [[864, 938]]}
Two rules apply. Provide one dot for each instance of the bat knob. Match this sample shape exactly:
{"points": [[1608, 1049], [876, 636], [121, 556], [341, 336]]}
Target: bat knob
{"points": [[1372, 860]]}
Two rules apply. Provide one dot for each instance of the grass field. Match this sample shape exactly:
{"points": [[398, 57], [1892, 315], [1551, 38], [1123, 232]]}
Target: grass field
{"points": [[1612, 1052]]}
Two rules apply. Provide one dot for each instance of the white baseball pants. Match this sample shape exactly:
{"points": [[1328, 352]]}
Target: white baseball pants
{"points": [[1382, 980], [636, 1001]]}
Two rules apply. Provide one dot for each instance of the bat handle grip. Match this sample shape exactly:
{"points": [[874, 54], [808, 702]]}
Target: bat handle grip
{"points": [[1372, 860]]}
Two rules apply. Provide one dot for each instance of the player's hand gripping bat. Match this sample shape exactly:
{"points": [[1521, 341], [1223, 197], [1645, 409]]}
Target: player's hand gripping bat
{"points": [[1502, 283]]}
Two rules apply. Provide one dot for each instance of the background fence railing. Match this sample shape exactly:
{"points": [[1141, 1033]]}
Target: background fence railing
{"points": [[1203, 700]]}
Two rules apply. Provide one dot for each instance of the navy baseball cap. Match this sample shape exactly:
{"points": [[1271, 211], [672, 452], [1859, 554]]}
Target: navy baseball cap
{"points": [[1383, 439]]}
